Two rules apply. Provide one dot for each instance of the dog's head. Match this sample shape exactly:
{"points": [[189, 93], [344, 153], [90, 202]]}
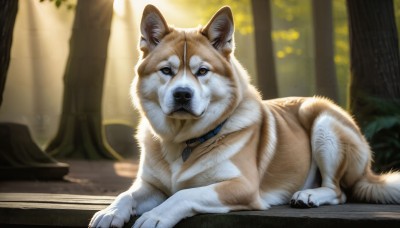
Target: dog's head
{"points": [[185, 74]]}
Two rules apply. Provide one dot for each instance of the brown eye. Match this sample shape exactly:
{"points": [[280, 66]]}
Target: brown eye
{"points": [[202, 71], [166, 71]]}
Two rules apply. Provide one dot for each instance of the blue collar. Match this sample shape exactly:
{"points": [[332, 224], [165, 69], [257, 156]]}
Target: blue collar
{"points": [[188, 149]]}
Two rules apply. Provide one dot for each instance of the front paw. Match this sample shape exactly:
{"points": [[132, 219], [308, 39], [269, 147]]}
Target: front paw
{"points": [[152, 219], [115, 215], [303, 199]]}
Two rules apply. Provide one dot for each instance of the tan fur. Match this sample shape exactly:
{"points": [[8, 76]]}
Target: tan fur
{"points": [[242, 193], [283, 173]]}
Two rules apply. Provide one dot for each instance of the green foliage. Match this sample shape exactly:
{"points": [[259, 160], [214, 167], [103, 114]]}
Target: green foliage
{"points": [[291, 10], [292, 19], [396, 6], [205, 9], [382, 130], [342, 49], [381, 123]]}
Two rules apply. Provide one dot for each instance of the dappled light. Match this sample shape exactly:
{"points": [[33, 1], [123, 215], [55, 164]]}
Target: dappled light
{"points": [[33, 90], [126, 169], [119, 7]]}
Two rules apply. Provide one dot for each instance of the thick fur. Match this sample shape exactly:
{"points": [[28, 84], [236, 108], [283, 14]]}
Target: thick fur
{"points": [[267, 152]]}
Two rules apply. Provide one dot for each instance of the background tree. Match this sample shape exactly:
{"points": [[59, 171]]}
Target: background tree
{"points": [[80, 133], [375, 76], [325, 75], [265, 63], [20, 157], [8, 13], [293, 45]]}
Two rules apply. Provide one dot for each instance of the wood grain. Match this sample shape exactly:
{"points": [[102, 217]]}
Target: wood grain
{"points": [[64, 210]]}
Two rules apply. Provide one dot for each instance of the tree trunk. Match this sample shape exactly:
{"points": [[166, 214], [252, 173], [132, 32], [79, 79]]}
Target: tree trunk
{"points": [[20, 157], [375, 77], [375, 72], [8, 13], [265, 64], [325, 76], [80, 133]]}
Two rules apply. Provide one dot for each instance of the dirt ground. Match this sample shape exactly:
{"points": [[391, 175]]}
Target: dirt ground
{"points": [[84, 178]]}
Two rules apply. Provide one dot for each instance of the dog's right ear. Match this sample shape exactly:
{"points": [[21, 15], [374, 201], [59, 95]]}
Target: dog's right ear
{"points": [[219, 31], [153, 28]]}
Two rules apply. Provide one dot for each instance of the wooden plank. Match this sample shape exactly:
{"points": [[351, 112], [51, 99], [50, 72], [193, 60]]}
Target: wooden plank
{"points": [[76, 210], [344, 211], [60, 206], [55, 198], [266, 219], [346, 215], [52, 217], [49, 209]]}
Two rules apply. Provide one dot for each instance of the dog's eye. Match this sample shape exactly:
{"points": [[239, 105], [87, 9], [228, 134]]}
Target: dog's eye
{"points": [[202, 71], [166, 71]]}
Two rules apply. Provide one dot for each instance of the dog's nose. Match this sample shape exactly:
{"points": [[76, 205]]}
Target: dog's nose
{"points": [[183, 95]]}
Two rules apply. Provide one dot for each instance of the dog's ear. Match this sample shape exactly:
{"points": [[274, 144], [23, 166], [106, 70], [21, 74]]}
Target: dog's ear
{"points": [[219, 30], [153, 28]]}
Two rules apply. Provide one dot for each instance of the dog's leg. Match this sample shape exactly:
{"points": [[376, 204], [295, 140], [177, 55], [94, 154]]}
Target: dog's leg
{"points": [[330, 159], [182, 204], [141, 197], [188, 202]]}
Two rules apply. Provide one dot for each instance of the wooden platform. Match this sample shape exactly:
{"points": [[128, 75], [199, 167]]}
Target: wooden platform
{"points": [[64, 210]]}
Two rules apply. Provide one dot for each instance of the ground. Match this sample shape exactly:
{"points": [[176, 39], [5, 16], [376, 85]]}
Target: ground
{"points": [[108, 178], [93, 185]]}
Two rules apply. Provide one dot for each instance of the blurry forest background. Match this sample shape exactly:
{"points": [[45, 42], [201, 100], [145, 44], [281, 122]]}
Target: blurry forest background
{"points": [[34, 88]]}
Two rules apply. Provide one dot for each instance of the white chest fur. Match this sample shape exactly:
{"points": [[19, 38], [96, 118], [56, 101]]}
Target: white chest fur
{"points": [[213, 167]]}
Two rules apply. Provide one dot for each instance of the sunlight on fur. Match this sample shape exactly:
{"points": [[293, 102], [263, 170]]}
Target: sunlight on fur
{"points": [[391, 178]]}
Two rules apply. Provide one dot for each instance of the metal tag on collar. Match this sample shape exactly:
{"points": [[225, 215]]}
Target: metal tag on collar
{"points": [[188, 149], [186, 153]]}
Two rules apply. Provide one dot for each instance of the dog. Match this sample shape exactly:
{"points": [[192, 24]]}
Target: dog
{"points": [[210, 144]]}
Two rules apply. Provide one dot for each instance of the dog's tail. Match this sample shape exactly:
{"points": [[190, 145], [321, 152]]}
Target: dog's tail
{"points": [[373, 188]]}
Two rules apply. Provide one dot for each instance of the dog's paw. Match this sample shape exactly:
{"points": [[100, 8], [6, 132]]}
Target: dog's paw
{"points": [[152, 219], [303, 199], [115, 215], [318, 196], [108, 218]]}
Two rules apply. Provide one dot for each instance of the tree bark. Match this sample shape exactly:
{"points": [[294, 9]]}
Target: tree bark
{"points": [[80, 133], [374, 49], [325, 74], [8, 13], [265, 63], [375, 77]]}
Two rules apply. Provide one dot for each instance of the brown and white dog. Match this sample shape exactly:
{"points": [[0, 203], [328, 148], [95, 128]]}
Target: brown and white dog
{"points": [[211, 145]]}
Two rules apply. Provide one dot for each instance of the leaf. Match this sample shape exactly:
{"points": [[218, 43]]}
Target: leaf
{"points": [[378, 106], [380, 123], [58, 3]]}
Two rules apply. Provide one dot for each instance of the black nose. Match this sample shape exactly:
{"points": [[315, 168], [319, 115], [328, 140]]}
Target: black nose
{"points": [[183, 95]]}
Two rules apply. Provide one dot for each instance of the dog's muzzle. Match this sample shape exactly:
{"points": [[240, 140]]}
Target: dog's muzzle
{"points": [[182, 99], [183, 96]]}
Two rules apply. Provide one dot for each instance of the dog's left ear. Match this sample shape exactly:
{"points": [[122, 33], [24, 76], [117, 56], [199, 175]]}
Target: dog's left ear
{"points": [[153, 28], [219, 30]]}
